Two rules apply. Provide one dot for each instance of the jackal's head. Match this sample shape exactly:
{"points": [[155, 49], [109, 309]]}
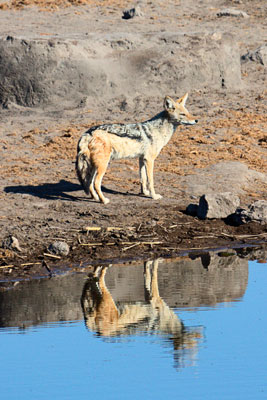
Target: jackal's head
{"points": [[177, 112]]}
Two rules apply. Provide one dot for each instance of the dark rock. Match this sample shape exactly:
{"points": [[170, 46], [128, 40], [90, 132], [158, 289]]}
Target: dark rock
{"points": [[255, 212]]}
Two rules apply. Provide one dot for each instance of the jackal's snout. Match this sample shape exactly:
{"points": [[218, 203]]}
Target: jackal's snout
{"points": [[189, 121]]}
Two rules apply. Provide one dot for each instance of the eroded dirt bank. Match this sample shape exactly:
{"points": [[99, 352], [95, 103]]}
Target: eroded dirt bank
{"points": [[41, 200]]}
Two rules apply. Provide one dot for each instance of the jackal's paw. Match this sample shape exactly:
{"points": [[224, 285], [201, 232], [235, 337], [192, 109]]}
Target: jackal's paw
{"points": [[95, 196], [106, 200], [157, 197], [145, 192]]}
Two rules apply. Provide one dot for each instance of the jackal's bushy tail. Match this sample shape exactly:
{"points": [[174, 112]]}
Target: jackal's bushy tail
{"points": [[84, 167]]}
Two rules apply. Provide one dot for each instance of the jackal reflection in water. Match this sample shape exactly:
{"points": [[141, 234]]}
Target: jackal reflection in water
{"points": [[108, 319]]}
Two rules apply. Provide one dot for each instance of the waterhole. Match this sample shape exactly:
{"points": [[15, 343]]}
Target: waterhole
{"points": [[194, 326]]}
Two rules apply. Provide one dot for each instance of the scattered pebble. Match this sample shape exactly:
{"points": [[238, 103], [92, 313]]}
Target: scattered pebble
{"points": [[133, 12], [59, 248], [232, 12], [11, 243]]}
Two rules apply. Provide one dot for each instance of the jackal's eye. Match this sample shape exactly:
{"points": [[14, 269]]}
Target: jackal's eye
{"points": [[182, 114]]}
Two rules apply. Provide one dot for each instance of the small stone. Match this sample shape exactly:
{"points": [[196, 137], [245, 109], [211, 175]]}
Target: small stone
{"points": [[133, 12], [59, 248], [11, 243], [232, 12]]}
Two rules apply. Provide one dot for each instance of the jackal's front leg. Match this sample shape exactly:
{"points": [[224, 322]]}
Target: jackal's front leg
{"points": [[143, 177], [149, 164]]}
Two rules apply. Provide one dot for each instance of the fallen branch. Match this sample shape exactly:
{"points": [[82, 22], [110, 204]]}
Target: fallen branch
{"points": [[182, 223], [52, 256], [248, 236], [91, 228], [151, 243], [30, 263], [45, 265], [225, 234], [205, 237], [97, 244], [243, 236], [171, 248], [162, 227], [119, 243], [130, 247], [113, 228], [107, 229]]}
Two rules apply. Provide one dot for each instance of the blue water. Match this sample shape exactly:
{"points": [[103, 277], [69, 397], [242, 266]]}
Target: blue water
{"points": [[66, 360]]}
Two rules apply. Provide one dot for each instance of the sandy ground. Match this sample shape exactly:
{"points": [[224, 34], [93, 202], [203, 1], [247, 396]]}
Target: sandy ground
{"points": [[41, 200]]}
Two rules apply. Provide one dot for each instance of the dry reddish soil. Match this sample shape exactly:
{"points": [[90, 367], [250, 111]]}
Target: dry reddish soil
{"points": [[41, 200]]}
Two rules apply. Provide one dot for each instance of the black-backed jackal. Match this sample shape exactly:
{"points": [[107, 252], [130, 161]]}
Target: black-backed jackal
{"points": [[100, 144]]}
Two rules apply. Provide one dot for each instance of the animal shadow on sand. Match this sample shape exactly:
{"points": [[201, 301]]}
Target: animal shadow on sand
{"points": [[57, 191]]}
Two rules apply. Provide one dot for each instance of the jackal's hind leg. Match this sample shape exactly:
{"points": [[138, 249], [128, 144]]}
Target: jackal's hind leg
{"points": [[92, 186], [101, 169]]}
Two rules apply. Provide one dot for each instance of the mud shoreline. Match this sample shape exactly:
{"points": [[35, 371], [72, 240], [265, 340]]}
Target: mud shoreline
{"points": [[154, 237]]}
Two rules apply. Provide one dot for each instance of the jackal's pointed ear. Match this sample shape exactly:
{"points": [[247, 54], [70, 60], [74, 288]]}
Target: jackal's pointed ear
{"points": [[169, 104], [182, 100]]}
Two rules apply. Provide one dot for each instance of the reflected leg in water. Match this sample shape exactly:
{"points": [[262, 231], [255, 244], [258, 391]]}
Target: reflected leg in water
{"points": [[168, 323], [100, 311]]}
